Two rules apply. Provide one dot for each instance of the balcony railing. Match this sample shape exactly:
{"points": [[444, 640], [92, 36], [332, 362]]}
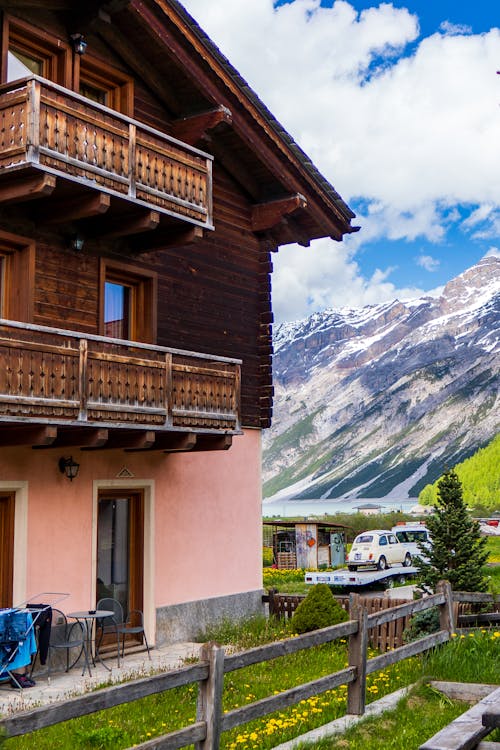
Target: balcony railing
{"points": [[47, 374], [63, 133]]}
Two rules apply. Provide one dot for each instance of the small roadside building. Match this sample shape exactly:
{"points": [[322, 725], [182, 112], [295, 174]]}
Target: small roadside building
{"points": [[369, 509], [306, 543]]}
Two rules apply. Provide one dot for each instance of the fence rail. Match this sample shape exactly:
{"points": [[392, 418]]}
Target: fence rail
{"points": [[209, 673], [50, 373], [66, 135], [387, 632]]}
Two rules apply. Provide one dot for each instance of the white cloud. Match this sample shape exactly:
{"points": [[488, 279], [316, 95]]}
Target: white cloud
{"points": [[454, 28], [325, 275], [480, 214], [428, 262], [410, 131], [493, 252]]}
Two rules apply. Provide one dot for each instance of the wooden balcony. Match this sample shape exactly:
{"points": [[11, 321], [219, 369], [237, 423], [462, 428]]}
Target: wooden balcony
{"points": [[123, 393], [51, 138]]}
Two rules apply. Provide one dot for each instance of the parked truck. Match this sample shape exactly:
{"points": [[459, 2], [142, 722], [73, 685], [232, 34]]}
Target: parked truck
{"points": [[359, 578]]}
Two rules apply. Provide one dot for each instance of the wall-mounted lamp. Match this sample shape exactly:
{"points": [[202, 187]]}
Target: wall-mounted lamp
{"points": [[79, 43], [76, 242], [69, 467]]}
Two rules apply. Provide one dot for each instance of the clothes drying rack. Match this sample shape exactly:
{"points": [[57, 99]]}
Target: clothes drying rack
{"points": [[18, 632]]}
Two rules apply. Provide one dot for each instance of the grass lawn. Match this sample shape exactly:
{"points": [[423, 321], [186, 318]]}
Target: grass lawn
{"points": [[417, 718], [473, 658], [493, 547]]}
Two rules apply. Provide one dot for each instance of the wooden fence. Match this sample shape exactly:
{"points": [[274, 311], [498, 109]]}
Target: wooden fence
{"points": [[383, 637], [389, 635], [209, 673]]}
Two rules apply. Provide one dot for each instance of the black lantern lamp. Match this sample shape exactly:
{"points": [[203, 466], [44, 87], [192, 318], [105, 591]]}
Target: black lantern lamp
{"points": [[79, 43], [69, 467], [76, 242]]}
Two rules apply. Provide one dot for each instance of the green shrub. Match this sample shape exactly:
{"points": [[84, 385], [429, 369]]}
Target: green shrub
{"points": [[318, 610], [422, 624]]}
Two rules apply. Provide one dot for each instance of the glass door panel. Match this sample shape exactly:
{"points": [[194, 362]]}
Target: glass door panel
{"points": [[120, 526]]}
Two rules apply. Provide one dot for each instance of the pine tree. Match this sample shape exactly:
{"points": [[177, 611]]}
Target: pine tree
{"points": [[458, 550]]}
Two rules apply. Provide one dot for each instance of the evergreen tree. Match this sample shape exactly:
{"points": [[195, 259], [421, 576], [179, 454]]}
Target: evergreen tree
{"points": [[458, 550]]}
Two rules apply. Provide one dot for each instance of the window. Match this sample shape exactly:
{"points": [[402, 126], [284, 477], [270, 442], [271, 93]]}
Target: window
{"points": [[128, 303], [17, 271], [117, 304], [102, 84], [20, 64], [31, 52]]}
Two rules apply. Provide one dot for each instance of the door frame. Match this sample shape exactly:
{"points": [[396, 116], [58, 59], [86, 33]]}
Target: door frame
{"points": [[147, 487], [20, 559], [7, 517]]}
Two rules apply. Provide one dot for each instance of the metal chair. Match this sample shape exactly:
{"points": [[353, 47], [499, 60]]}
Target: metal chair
{"points": [[132, 625], [68, 636]]}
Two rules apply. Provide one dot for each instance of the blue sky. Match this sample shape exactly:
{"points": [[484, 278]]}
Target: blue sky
{"points": [[478, 15], [398, 104]]}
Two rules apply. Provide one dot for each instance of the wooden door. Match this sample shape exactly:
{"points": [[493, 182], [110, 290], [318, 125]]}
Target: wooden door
{"points": [[7, 505], [120, 548]]}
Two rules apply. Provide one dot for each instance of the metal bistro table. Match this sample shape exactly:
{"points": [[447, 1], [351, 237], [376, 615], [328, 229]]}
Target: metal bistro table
{"points": [[89, 618]]}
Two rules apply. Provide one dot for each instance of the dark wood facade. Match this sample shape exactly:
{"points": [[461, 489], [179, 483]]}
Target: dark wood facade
{"points": [[178, 181]]}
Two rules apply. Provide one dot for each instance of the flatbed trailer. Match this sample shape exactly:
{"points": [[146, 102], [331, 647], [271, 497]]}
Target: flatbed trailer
{"points": [[345, 577]]}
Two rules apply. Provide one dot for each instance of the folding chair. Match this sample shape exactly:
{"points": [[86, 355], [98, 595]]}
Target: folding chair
{"points": [[119, 625], [69, 637]]}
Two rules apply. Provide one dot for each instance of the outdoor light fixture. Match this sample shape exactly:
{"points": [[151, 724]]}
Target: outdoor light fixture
{"points": [[76, 242], [69, 467], [79, 43]]}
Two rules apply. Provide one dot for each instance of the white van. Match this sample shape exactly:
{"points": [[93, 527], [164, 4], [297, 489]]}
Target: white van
{"points": [[409, 532]]}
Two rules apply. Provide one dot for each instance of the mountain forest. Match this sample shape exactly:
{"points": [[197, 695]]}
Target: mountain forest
{"points": [[479, 476]]}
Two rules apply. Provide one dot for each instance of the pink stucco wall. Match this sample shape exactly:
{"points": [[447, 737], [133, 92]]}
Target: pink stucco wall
{"points": [[207, 518], [208, 523]]}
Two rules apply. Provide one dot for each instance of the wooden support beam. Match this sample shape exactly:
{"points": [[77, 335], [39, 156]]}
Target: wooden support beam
{"points": [[296, 234], [36, 436], [27, 188], [78, 207], [267, 215], [213, 442], [192, 129], [127, 439], [123, 224], [170, 442], [163, 239], [85, 438]]}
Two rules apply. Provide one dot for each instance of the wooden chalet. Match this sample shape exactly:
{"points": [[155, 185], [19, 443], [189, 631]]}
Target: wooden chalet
{"points": [[143, 188]]}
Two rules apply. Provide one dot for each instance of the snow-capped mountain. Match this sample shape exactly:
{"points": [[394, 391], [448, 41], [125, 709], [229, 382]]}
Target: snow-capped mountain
{"points": [[375, 402]]}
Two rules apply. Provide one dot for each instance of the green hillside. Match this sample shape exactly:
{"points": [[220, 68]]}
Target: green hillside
{"points": [[480, 477]]}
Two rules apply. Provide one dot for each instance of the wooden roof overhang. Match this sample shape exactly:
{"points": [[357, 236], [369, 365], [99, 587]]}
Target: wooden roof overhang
{"points": [[212, 107]]}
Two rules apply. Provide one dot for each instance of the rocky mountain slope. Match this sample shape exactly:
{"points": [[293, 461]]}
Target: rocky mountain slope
{"points": [[374, 402]]}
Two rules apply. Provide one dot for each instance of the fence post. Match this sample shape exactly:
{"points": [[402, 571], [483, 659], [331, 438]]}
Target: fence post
{"points": [[446, 621], [358, 644], [209, 705], [272, 602]]}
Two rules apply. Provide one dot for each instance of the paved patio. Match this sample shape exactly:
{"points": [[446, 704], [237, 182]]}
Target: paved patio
{"points": [[62, 685]]}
